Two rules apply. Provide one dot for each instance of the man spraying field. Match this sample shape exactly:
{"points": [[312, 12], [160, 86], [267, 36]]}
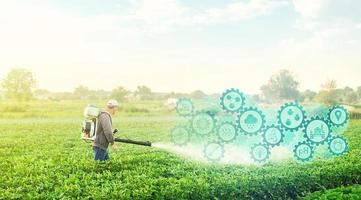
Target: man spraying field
{"points": [[97, 128], [104, 132]]}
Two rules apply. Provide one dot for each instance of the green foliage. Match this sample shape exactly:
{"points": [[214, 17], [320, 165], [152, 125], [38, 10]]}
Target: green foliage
{"points": [[308, 95], [119, 94], [144, 93], [82, 92], [43, 158], [330, 97], [281, 86], [358, 92], [19, 84], [341, 193]]}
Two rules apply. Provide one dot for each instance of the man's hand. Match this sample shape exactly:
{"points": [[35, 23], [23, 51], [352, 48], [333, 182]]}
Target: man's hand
{"points": [[114, 147]]}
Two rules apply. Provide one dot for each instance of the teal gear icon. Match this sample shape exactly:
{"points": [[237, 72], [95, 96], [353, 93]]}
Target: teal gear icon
{"points": [[251, 121], [180, 135], [273, 135], [184, 107], [317, 130], [260, 153], [203, 123], [303, 151], [227, 132], [338, 116], [291, 116], [232, 100], [337, 145], [214, 151]]}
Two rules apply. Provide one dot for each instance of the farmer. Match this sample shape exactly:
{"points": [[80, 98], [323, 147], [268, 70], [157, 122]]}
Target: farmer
{"points": [[104, 133]]}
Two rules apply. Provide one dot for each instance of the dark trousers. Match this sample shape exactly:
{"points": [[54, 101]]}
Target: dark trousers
{"points": [[100, 154]]}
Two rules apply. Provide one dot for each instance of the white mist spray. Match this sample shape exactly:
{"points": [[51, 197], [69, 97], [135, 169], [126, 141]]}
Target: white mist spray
{"points": [[234, 154]]}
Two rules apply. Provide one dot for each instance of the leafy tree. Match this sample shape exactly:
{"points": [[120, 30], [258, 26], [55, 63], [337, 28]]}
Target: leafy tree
{"points": [[351, 98], [281, 86], [119, 94], [358, 91], [329, 93], [19, 84], [144, 93], [308, 95], [82, 92], [328, 97], [198, 94]]}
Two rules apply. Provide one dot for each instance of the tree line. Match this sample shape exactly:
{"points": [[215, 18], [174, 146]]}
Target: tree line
{"points": [[21, 85]]}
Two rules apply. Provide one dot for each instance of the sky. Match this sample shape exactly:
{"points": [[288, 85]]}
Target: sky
{"points": [[181, 45]]}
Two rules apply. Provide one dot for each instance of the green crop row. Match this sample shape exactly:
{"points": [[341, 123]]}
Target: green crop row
{"points": [[341, 193]]}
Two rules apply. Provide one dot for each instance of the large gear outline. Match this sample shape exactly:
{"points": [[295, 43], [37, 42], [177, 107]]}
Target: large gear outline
{"points": [[303, 159], [267, 149], [205, 153], [338, 107], [241, 96], [213, 123], [327, 124], [251, 109], [338, 137], [300, 107], [235, 132], [184, 100], [264, 135], [188, 135]]}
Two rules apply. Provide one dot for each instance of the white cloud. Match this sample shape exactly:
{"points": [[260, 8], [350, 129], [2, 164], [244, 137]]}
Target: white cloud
{"points": [[167, 15], [308, 8], [237, 11]]}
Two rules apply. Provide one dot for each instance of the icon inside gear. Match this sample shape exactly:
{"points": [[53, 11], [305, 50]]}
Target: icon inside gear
{"points": [[184, 107], [227, 132], [338, 145], [260, 153], [180, 135], [291, 116], [214, 151], [203, 123], [317, 130], [251, 121], [273, 135], [303, 151], [232, 100], [338, 116]]}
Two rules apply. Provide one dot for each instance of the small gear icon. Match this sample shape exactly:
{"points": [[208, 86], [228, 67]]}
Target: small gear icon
{"points": [[338, 145], [227, 132], [214, 151], [273, 135], [303, 151], [291, 116], [232, 100], [260, 153], [338, 116], [251, 121], [180, 135], [317, 130], [184, 107], [203, 123]]}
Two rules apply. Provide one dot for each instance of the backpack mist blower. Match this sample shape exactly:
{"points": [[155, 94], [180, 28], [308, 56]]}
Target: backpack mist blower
{"points": [[89, 127]]}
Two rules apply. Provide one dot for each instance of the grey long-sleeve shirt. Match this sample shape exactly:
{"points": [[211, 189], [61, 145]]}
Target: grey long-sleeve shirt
{"points": [[104, 133]]}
